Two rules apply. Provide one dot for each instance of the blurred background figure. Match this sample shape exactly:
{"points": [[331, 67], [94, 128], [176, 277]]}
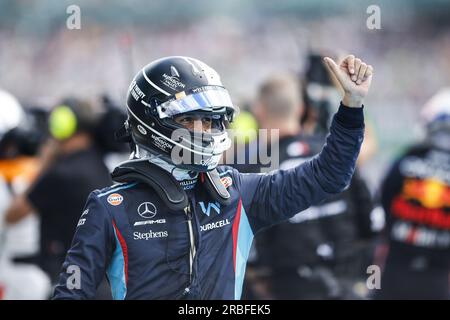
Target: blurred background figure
{"points": [[106, 132], [321, 99], [321, 252], [416, 199], [71, 166], [21, 135], [320, 95]]}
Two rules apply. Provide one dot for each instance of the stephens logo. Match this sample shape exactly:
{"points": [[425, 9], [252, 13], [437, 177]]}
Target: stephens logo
{"points": [[115, 199], [150, 235]]}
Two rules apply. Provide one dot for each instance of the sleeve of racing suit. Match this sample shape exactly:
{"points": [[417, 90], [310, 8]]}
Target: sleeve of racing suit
{"points": [[89, 255], [279, 195]]}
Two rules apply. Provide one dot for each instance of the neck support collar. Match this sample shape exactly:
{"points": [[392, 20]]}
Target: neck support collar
{"points": [[165, 185]]}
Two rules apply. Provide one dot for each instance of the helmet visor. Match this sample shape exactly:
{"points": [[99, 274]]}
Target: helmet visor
{"points": [[209, 99]]}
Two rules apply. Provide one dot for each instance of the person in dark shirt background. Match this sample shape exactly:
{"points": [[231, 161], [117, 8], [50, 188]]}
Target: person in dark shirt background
{"points": [[72, 166], [416, 198]]}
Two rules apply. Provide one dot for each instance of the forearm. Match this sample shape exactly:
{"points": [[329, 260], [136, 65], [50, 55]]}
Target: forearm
{"points": [[335, 165], [19, 209], [352, 101]]}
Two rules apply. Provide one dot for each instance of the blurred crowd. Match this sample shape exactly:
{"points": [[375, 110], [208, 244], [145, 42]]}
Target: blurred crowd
{"points": [[60, 98], [110, 53]]}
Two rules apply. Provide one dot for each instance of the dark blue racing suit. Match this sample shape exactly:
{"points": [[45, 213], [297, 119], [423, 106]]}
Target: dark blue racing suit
{"points": [[146, 250]]}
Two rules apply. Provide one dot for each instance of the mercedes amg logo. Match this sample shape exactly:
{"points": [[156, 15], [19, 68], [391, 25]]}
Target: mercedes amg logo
{"points": [[146, 210]]}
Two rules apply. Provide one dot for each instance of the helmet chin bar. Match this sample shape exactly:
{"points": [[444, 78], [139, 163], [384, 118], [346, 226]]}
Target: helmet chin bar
{"points": [[201, 158], [215, 147]]}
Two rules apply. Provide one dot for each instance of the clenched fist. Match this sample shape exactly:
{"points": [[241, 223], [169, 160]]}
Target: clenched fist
{"points": [[355, 77]]}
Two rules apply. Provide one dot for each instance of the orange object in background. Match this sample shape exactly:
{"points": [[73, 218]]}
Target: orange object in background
{"points": [[23, 167], [431, 193]]}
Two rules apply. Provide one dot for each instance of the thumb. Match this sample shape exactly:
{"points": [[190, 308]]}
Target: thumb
{"points": [[333, 68]]}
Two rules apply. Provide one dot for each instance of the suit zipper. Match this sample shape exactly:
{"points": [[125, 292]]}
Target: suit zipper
{"points": [[192, 250]]}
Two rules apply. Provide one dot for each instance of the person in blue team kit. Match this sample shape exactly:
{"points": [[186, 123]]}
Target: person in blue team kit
{"points": [[177, 225]]}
